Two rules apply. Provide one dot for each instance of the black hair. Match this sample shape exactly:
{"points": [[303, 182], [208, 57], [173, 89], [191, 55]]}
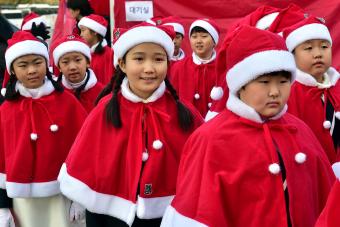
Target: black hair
{"points": [[283, 73], [99, 48], [177, 33], [198, 29], [83, 5]]}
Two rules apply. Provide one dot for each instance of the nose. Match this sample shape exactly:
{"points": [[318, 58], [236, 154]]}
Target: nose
{"points": [[317, 53], [149, 67], [32, 69], [274, 90]]}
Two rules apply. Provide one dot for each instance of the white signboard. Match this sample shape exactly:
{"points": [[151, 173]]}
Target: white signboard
{"points": [[138, 10]]}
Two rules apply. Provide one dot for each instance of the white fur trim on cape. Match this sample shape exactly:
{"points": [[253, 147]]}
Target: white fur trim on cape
{"points": [[2, 180], [70, 46], [180, 56], [24, 48], [129, 95], [258, 64], [177, 27], [36, 93], [143, 34], [210, 115], [28, 25], [198, 61], [241, 109], [308, 80], [90, 84], [265, 22], [149, 208], [28, 190], [93, 25], [207, 26], [307, 32], [172, 218]]}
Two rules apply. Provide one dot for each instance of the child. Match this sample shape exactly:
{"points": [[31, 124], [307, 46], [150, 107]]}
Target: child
{"points": [[38, 123], [315, 98], [253, 164], [78, 9], [194, 77], [72, 56], [93, 30], [136, 135]]}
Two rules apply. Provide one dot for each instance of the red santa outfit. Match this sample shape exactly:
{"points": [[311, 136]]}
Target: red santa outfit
{"points": [[241, 170], [194, 78], [101, 63], [317, 104]]}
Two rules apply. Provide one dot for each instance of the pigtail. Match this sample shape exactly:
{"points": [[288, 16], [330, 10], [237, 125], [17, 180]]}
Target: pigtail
{"points": [[108, 88], [11, 93], [57, 85], [99, 49], [60, 77], [185, 117], [81, 88]]}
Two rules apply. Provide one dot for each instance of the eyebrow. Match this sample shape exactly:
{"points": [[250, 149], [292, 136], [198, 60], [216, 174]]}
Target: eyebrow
{"points": [[143, 53], [25, 62]]}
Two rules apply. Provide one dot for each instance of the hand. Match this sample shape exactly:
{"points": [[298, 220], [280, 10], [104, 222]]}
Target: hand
{"points": [[40, 31], [77, 212], [6, 218]]}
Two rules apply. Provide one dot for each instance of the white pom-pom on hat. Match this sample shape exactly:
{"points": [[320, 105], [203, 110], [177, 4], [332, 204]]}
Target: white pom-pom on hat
{"points": [[327, 124], [3, 91], [337, 115], [145, 156], [54, 128], [300, 157], [197, 96], [216, 93], [34, 136], [274, 168], [157, 144]]}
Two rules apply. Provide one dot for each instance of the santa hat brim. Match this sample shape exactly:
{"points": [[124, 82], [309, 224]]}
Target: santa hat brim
{"points": [[307, 32], [177, 27], [70, 46], [93, 25], [258, 64], [207, 26], [28, 25]]}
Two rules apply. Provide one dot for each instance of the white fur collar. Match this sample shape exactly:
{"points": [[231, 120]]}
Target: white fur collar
{"points": [[199, 61], [241, 109], [91, 83], [104, 44], [178, 57], [306, 79], [36, 93], [129, 95]]}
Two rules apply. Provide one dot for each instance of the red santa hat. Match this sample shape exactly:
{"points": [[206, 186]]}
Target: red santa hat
{"points": [[143, 33], [31, 18], [175, 23], [254, 52], [69, 44], [94, 22], [154, 20], [308, 29], [208, 25]]}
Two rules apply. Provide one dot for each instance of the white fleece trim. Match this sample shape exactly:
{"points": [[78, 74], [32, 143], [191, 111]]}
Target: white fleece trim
{"points": [[198, 61], [129, 95], [207, 26], [258, 64], [172, 218], [142, 34], [93, 25], [2, 180], [24, 48], [96, 202], [70, 46], [177, 27], [36, 93], [28, 190], [90, 84], [265, 22], [307, 32], [336, 169], [210, 115], [241, 109], [149, 208], [308, 80], [180, 56], [28, 25]]}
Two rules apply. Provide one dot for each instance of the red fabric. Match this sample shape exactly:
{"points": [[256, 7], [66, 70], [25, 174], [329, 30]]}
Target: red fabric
{"points": [[189, 79], [224, 180], [27, 161], [116, 153], [305, 103], [330, 215], [102, 65]]}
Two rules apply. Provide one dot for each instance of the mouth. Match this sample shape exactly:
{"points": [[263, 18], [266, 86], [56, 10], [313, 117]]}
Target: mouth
{"points": [[147, 78], [33, 78], [273, 104], [318, 63]]}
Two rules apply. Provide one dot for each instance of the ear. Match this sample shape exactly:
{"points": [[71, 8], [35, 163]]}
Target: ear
{"points": [[122, 65]]}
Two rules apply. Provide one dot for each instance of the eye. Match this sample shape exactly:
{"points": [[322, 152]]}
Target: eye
{"points": [[308, 48], [160, 59], [263, 81], [139, 59], [283, 81], [324, 46]]}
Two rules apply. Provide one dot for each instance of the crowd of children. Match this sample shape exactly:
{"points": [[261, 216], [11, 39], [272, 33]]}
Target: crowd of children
{"points": [[116, 137]]}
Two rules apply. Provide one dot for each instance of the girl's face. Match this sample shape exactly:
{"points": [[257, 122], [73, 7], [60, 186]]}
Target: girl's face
{"points": [[314, 57], [30, 70], [267, 94], [202, 44], [145, 67], [88, 35], [73, 65]]}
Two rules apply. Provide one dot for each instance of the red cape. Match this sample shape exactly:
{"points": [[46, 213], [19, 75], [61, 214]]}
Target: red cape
{"points": [[102, 65]]}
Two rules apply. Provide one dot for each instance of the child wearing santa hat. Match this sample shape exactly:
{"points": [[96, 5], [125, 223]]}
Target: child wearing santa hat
{"points": [[93, 29], [136, 136], [73, 56], [36, 133], [194, 77], [315, 97], [253, 164], [35, 24]]}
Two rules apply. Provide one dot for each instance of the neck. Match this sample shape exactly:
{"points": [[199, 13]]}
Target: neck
{"points": [[176, 52]]}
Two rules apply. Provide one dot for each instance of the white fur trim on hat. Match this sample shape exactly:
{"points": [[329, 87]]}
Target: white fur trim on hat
{"points": [[24, 48], [70, 46], [177, 27], [307, 32], [258, 64], [142, 34], [207, 26], [265, 22], [28, 25], [93, 25]]}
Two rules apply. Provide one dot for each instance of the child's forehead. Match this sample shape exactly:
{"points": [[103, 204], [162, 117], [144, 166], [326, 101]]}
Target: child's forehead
{"points": [[72, 54], [315, 41], [29, 57]]}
